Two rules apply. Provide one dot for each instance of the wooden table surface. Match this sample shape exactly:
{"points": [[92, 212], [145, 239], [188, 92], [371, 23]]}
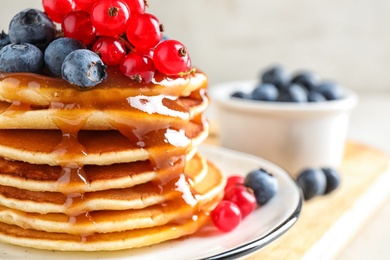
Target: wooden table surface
{"points": [[327, 223]]}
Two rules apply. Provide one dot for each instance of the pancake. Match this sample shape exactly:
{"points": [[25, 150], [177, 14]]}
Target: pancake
{"points": [[108, 168]]}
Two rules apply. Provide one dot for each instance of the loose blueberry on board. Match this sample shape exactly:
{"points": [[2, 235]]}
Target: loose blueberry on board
{"points": [[263, 184], [32, 26], [83, 68], [277, 76], [333, 179], [293, 93], [307, 79], [4, 39], [331, 90], [22, 57], [57, 51], [265, 92], [312, 182], [314, 96]]}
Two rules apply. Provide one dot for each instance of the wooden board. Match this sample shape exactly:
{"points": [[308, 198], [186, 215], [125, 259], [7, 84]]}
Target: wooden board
{"points": [[362, 167]]}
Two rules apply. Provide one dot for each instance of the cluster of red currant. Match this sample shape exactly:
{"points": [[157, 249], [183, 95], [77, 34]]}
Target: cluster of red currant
{"points": [[121, 33], [238, 202]]}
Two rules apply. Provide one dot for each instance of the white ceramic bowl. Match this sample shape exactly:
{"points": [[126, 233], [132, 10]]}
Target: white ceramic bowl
{"points": [[292, 135]]}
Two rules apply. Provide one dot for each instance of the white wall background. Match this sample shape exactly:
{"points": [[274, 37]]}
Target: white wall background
{"points": [[346, 40]]}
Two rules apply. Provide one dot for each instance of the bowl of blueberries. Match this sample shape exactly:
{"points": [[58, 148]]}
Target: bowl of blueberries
{"points": [[294, 120]]}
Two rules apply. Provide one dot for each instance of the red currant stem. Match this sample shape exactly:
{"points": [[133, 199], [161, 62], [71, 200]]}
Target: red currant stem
{"points": [[182, 52], [146, 3], [59, 33], [113, 11], [137, 78], [162, 28], [127, 44], [186, 73]]}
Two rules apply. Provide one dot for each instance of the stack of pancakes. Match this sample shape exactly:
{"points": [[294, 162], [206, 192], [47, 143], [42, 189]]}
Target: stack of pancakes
{"points": [[109, 168]]}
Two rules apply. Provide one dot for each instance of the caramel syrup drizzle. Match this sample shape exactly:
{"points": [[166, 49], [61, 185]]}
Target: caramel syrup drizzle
{"points": [[167, 145]]}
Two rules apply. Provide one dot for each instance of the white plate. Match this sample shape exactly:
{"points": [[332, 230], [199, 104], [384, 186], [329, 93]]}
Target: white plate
{"points": [[256, 231]]}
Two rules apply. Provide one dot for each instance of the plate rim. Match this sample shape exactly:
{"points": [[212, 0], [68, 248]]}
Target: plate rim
{"points": [[258, 244]]}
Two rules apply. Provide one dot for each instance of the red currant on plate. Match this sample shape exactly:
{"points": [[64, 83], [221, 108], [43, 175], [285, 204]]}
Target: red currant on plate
{"points": [[136, 6], [138, 66], [57, 9], [226, 216], [110, 17], [234, 180], [171, 58], [78, 25], [110, 49], [144, 31], [242, 197]]}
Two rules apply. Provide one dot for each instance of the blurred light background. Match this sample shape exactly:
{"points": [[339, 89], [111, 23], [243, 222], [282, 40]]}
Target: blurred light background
{"points": [[347, 40], [236, 39]]}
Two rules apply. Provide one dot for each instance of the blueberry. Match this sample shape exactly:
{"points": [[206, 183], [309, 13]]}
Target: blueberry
{"points": [[57, 51], [23, 57], [333, 179], [314, 96], [265, 92], [32, 26], [263, 184], [293, 93], [277, 76], [83, 68], [307, 79], [331, 90], [240, 94], [312, 182], [4, 39]]}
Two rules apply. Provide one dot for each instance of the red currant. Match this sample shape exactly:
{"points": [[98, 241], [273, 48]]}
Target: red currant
{"points": [[78, 25], [144, 31], [85, 5], [110, 17], [226, 216], [234, 180], [57, 9], [138, 66], [171, 58], [110, 49], [242, 197], [136, 6]]}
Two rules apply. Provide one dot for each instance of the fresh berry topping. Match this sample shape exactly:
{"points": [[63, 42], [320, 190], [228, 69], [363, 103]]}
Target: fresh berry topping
{"points": [[78, 25], [84, 5], [265, 92], [307, 79], [32, 26], [110, 17], [263, 184], [333, 179], [57, 51], [144, 31], [277, 76], [226, 216], [314, 96], [22, 57], [171, 58], [293, 93], [4, 39], [242, 197], [56, 9], [83, 68], [110, 49], [331, 90], [234, 180], [136, 6], [312, 182], [138, 66]]}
